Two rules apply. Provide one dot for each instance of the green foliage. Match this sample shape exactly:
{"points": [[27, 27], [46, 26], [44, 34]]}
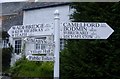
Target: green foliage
{"points": [[4, 34], [93, 58], [25, 68], [6, 58]]}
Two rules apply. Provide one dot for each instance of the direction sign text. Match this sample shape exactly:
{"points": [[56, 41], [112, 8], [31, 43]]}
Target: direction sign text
{"points": [[31, 30], [85, 30], [40, 58]]}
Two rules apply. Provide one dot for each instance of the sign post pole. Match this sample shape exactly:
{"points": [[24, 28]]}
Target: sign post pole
{"points": [[57, 44]]}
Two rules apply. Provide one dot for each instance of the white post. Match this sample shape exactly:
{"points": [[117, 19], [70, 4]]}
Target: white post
{"points": [[57, 44]]}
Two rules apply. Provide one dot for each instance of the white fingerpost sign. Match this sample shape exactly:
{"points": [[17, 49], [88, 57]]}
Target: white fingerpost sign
{"points": [[68, 30], [40, 58], [85, 30], [57, 43], [31, 30], [39, 40], [45, 51]]}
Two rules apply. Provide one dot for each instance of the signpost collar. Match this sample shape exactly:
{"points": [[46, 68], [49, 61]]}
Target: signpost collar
{"points": [[56, 13]]}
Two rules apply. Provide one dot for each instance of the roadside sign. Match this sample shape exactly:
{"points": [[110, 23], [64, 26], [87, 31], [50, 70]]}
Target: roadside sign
{"points": [[31, 30], [40, 58], [57, 31], [85, 30], [38, 40], [43, 45], [45, 51]]}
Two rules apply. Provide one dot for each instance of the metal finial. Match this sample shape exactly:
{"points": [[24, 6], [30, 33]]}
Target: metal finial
{"points": [[56, 12]]}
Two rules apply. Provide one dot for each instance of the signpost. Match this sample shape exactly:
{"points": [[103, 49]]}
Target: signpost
{"points": [[46, 46], [40, 58], [39, 40], [45, 51], [66, 30], [85, 30], [57, 44], [31, 30]]}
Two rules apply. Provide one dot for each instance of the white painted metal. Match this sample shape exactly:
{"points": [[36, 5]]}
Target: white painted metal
{"points": [[85, 30], [38, 41], [40, 58], [31, 30], [44, 15], [57, 43], [45, 51], [31, 46]]}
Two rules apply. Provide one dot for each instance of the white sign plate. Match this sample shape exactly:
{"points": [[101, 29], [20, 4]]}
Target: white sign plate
{"points": [[85, 30], [46, 51], [39, 41], [40, 58], [31, 30]]}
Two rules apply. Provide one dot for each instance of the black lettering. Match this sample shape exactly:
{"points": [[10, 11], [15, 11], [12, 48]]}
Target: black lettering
{"points": [[73, 24], [22, 27], [40, 29], [64, 24], [21, 30]]}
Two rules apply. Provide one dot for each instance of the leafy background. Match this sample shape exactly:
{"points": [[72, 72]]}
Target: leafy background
{"points": [[81, 58], [93, 58]]}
